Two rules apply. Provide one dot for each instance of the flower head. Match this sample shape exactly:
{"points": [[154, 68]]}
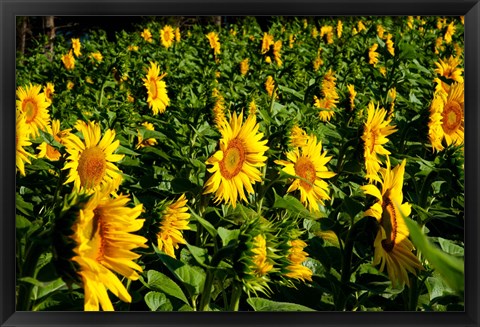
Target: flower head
{"points": [[175, 219], [34, 104], [308, 163], [296, 257], [373, 55], [235, 166], [449, 32], [376, 130], [91, 161], [147, 35], [21, 140], [48, 151], [448, 68], [68, 60], [244, 66], [214, 42], [158, 99], [393, 249], [76, 45], [147, 142], [167, 35]]}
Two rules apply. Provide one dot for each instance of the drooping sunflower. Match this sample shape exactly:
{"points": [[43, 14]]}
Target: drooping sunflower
{"points": [[376, 130], [309, 163], [261, 263], [252, 108], [327, 31], [270, 86], [177, 34], [49, 90], [325, 105], [219, 109], [33, 103], [146, 35], [48, 151], [339, 28], [158, 99], [267, 42], [393, 249], [235, 165], [214, 42], [21, 140], [449, 32], [449, 69], [175, 219], [147, 142], [167, 35], [352, 94], [277, 47], [380, 31], [389, 44], [91, 161], [68, 60], [76, 45], [373, 54], [97, 56], [296, 257], [244, 66], [103, 233]]}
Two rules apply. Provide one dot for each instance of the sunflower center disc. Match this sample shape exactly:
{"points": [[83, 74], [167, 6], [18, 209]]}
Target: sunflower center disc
{"points": [[91, 167], [452, 117], [153, 88], [305, 169], [233, 159], [389, 223], [30, 108]]}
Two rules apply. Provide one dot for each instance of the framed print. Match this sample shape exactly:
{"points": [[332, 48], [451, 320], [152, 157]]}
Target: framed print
{"points": [[208, 162]]}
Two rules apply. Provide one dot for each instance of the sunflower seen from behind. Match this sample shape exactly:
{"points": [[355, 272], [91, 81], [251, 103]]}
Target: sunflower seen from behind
{"points": [[296, 257], [157, 99], [375, 132], [308, 165], [104, 236], [33, 103], [235, 166], [175, 219], [91, 159], [393, 249]]}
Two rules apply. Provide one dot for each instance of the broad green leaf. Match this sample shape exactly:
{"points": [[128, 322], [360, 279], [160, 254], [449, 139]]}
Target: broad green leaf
{"points": [[192, 277], [449, 267], [228, 235], [205, 223], [160, 282], [259, 304], [157, 301], [200, 254]]}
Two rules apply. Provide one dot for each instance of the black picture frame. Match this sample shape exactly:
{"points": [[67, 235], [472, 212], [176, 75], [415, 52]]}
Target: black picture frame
{"points": [[9, 9]]}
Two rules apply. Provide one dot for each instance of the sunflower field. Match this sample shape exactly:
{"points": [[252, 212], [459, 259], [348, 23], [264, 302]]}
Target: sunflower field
{"points": [[242, 164]]}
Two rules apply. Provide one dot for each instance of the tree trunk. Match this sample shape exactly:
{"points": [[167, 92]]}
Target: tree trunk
{"points": [[50, 31]]}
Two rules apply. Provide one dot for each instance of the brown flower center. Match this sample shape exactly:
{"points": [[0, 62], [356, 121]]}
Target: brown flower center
{"points": [[452, 117], [92, 166], [304, 168], [233, 159], [389, 223]]}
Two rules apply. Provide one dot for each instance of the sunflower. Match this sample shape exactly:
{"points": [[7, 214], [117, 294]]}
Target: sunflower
{"points": [[235, 165], [361, 26], [177, 34], [389, 44], [373, 55], [174, 219], [277, 47], [219, 110], [298, 137], [447, 113], [48, 151], [260, 260], [147, 35], [68, 60], [317, 62], [270, 86], [49, 90], [375, 132], [33, 103], [339, 28], [267, 42], [244, 66], [148, 142], [252, 108], [449, 69], [104, 243], [291, 41], [214, 42], [21, 140], [296, 256], [380, 31], [97, 56], [91, 161], [167, 35], [393, 249], [76, 45], [158, 99], [449, 32], [325, 105], [352, 94], [308, 163]]}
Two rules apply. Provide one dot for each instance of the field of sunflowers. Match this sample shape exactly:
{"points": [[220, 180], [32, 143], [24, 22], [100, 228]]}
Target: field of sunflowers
{"points": [[281, 164]]}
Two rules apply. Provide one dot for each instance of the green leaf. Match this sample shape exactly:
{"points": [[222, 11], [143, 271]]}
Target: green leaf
{"points": [[293, 205], [449, 267], [205, 223], [160, 282], [228, 235], [123, 150], [450, 247], [192, 277], [157, 301], [259, 304], [200, 254]]}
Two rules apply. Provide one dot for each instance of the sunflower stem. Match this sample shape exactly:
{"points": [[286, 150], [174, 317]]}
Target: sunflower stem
{"points": [[236, 294], [346, 267], [207, 291], [29, 270]]}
